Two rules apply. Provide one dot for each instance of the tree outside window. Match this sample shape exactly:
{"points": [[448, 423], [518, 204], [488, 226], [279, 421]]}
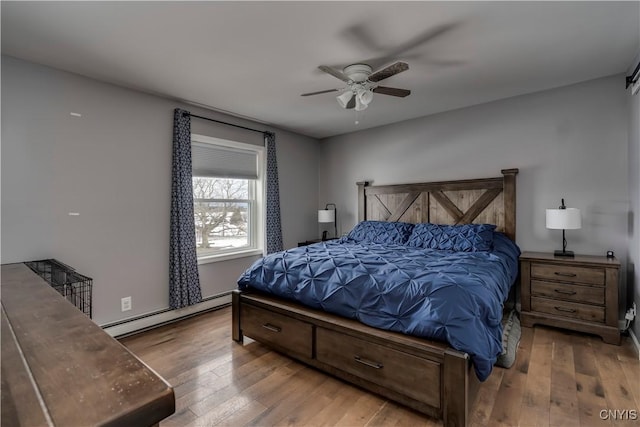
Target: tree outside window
{"points": [[222, 210]]}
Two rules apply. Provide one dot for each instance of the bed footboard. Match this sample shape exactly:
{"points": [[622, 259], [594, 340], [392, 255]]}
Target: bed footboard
{"points": [[425, 375]]}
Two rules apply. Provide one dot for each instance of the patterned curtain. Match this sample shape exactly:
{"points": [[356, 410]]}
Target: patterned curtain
{"points": [[184, 282], [274, 228]]}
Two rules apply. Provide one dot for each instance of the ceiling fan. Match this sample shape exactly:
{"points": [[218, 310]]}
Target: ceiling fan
{"points": [[361, 83]]}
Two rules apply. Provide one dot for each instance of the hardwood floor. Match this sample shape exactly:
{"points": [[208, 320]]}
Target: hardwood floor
{"points": [[560, 378]]}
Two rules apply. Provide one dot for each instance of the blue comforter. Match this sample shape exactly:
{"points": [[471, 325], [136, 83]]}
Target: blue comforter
{"points": [[450, 296]]}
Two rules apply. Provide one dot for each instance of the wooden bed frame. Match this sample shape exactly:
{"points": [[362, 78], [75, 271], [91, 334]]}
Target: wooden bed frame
{"points": [[428, 376]]}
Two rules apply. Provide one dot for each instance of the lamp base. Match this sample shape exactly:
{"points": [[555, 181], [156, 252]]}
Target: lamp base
{"points": [[564, 254]]}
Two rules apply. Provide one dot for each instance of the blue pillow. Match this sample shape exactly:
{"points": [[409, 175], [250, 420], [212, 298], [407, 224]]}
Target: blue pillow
{"points": [[458, 238], [380, 232]]}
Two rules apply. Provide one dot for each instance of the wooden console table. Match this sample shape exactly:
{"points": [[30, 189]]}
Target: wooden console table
{"points": [[61, 369]]}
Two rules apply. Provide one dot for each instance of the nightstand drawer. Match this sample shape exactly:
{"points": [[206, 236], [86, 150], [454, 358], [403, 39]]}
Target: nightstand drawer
{"points": [[586, 312], [568, 273], [568, 292], [277, 330]]}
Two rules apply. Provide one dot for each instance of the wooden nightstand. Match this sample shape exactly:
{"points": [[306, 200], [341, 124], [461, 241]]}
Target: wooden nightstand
{"points": [[578, 293], [310, 242]]}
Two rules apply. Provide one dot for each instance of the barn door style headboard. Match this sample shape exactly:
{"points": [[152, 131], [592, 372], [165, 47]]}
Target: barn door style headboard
{"points": [[480, 201]]}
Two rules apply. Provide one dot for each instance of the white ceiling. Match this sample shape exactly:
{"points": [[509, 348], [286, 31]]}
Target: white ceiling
{"points": [[254, 59]]}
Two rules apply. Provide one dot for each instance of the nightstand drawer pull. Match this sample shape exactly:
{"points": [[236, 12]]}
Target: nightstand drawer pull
{"points": [[272, 328], [368, 363], [563, 292], [566, 310], [565, 274]]}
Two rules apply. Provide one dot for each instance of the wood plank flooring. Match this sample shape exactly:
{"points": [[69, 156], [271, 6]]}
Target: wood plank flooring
{"points": [[560, 378]]}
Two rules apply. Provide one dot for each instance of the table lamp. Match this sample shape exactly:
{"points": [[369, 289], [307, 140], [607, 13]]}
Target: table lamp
{"points": [[327, 215], [563, 219]]}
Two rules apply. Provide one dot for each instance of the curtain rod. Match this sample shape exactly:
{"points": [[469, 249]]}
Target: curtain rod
{"points": [[633, 77], [264, 132]]}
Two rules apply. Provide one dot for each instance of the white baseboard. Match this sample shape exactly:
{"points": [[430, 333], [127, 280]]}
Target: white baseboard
{"points": [[635, 342], [166, 316]]}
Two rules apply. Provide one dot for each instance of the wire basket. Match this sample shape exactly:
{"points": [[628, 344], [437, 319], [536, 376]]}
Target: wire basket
{"points": [[75, 287]]}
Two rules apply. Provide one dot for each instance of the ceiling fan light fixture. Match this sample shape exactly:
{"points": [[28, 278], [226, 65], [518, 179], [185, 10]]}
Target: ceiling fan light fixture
{"points": [[344, 98], [360, 105], [365, 96]]}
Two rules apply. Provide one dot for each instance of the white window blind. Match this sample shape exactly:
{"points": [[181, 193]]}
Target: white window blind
{"points": [[210, 160]]}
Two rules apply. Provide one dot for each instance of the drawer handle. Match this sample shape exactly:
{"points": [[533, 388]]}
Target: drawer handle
{"points": [[272, 328], [565, 274], [368, 363], [563, 292], [566, 310]]}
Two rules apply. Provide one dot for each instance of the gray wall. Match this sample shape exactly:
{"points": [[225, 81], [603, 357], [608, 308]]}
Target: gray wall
{"points": [[568, 142], [113, 166], [634, 196]]}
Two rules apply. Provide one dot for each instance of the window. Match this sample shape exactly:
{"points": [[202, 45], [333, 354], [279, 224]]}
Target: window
{"points": [[228, 198]]}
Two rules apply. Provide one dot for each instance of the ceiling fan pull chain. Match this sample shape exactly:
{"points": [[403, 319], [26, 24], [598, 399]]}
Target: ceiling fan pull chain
{"points": [[357, 122]]}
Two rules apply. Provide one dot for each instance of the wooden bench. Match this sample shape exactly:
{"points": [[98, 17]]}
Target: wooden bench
{"points": [[61, 369]]}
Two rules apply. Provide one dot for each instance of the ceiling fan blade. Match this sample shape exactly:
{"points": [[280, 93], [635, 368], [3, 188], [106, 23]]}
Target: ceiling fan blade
{"points": [[335, 73], [392, 91], [319, 92], [389, 71]]}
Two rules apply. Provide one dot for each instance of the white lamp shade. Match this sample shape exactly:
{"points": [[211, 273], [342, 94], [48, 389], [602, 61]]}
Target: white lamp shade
{"points": [[564, 219], [344, 98], [326, 215]]}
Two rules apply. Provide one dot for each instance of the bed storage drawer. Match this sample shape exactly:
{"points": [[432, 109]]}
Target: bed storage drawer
{"points": [[277, 330], [407, 374]]}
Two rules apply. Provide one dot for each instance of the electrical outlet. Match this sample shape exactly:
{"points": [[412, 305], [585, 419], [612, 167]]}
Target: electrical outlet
{"points": [[125, 304]]}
